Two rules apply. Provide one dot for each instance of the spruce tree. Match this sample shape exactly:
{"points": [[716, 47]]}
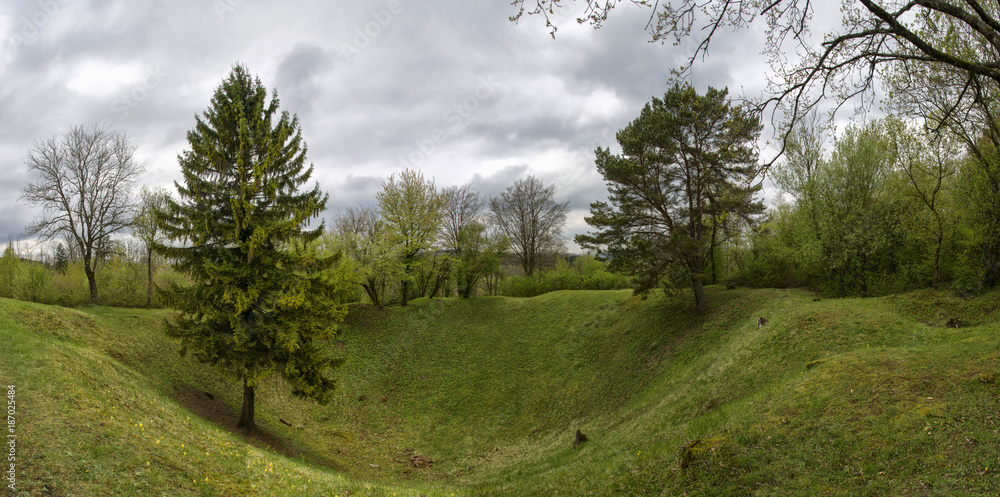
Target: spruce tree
{"points": [[258, 302], [62, 259]]}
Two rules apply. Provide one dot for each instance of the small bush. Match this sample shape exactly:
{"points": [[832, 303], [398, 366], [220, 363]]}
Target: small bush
{"points": [[122, 284], [70, 288]]}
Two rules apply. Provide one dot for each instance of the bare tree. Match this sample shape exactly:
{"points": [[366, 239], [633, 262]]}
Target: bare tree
{"points": [[463, 206], [477, 247], [531, 219], [84, 183]]}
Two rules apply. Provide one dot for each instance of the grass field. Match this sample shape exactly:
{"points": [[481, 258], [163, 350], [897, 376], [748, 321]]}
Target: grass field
{"points": [[483, 397]]}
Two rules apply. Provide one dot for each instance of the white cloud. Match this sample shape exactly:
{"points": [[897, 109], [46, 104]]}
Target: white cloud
{"points": [[97, 78]]}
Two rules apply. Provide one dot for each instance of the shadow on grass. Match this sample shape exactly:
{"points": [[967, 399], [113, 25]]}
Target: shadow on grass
{"points": [[217, 412]]}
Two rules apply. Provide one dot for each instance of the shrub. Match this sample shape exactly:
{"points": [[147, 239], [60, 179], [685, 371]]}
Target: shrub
{"points": [[121, 284], [584, 273]]}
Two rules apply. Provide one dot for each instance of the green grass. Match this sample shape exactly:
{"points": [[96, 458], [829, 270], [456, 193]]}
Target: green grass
{"points": [[836, 397]]}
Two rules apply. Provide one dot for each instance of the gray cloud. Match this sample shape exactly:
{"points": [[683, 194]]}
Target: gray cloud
{"points": [[301, 73], [496, 183], [354, 191], [450, 87]]}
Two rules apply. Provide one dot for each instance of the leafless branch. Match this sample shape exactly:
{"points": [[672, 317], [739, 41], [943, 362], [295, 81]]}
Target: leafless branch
{"points": [[84, 183]]}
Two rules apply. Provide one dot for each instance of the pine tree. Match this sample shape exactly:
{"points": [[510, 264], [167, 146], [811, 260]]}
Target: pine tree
{"points": [[685, 160], [259, 299]]}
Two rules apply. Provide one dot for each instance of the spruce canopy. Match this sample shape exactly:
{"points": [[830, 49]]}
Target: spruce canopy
{"points": [[258, 302]]}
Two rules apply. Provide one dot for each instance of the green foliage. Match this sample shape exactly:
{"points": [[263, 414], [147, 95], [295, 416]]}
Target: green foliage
{"points": [[476, 242], [433, 275], [481, 254], [860, 226], [687, 158], [782, 255], [372, 260], [34, 284], [979, 186], [146, 228], [24, 280], [260, 300], [344, 274], [881, 215], [124, 283], [9, 272], [412, 209], [584, 273], [70, 288]]}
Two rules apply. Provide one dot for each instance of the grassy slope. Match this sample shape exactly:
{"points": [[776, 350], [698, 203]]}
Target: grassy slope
{"points": [[493, 389]]}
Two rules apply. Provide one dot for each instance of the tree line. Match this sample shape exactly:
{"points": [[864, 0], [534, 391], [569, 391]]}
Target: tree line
{"points": [[900, 203], [420, 240], [894, 206], [417, 240], [879, 213]]}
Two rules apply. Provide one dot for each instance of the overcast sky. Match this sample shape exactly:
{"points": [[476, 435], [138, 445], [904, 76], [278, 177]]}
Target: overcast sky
{"points": [[451, 87]]}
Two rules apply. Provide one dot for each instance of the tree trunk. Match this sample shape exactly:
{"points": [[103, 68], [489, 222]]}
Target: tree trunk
{"points": [[371, 288], [246, 412], [432, 276], [149, 277], [937, 260], [437, 286], [695, 266], [467, 286], [937, 249], [711, 251], [529, 261], [701, 304], [91, 279], [405, 282]]}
